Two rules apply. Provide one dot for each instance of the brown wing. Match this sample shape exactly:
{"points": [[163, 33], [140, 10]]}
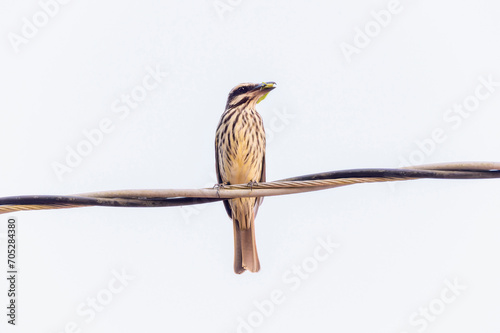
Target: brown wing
{"points": [[262, 179], [263, 173], [219, 179]]}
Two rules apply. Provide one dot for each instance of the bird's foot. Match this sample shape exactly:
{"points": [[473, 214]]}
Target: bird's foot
{"points": [[218, 187], [252, 183]]}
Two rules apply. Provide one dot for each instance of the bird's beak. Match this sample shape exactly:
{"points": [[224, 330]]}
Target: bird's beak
{"points": [[265, 88]]}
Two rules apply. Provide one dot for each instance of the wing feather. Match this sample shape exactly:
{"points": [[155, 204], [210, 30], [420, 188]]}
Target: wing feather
{"points": [[219, 178]]}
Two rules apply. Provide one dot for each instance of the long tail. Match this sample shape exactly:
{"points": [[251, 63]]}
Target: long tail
{"points": [[245, 249]]}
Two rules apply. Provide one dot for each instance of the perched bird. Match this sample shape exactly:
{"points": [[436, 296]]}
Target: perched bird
{"points": [[240, 158]]}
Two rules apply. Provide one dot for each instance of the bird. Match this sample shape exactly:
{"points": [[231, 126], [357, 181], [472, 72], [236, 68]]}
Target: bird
{"points": [[240, 158]]}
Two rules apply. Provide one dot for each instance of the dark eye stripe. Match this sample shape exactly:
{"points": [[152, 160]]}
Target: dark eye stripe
{"points": [[239, 91]]}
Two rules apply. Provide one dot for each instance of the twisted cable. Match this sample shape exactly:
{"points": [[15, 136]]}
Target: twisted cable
{"points": [[300, 184]]}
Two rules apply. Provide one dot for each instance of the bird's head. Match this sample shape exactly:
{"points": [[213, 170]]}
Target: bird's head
{"points": [[248, 94]]}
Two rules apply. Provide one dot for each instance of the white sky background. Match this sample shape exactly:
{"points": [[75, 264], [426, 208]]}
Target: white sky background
{"points": [[398, 244]]}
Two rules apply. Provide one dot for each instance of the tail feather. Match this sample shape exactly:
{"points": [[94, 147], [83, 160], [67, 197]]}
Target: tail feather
{"points": [[238, 266], [245, 249]]}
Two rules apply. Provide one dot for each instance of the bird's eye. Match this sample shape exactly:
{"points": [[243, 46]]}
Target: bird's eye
{"points": [[242, 90]]}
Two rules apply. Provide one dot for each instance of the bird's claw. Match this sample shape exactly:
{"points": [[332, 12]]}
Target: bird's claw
{"points": [[252, 183], [218, 187]]}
